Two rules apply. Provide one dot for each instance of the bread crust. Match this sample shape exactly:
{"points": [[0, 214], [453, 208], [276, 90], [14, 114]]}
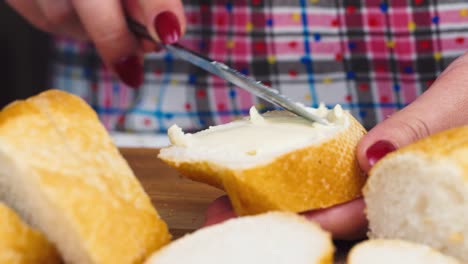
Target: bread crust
{"points": [[317, 176], [73, 172], [20, 244], [451, 144]]}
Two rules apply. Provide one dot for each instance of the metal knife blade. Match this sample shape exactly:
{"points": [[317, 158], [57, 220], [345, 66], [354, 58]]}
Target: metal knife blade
{"points": [[232, 76]]}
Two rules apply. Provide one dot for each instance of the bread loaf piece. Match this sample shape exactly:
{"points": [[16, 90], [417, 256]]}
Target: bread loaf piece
{"points": [[61, 172], [274, 161], [20, 244], [396, 252], [274, 238], [420, 193]]}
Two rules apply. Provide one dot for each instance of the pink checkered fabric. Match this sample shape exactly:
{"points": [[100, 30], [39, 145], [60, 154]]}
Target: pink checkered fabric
{"points": [[372, 57]]}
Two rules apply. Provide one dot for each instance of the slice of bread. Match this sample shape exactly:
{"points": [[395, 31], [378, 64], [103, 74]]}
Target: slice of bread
{"points": [[61, 172], [420, 193], [396, 252], [20, 244], [274, 238], [274, 161]]}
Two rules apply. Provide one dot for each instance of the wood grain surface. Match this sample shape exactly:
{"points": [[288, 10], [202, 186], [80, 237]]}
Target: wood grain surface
{"points": [[181, 202]]}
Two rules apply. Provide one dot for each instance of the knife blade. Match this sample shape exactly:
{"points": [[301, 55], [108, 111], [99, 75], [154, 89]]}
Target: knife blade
{"points": [[231, 75]]}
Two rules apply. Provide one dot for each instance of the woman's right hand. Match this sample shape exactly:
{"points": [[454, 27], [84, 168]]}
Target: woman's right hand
{"points": [[103, 23]]}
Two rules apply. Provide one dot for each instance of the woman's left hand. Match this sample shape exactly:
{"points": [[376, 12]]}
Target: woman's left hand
{"points": [[444, 105]]}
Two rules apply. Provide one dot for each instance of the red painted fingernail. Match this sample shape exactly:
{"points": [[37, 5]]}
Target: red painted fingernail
{"points": [[130, 71], [167, 27], [377, 151]]}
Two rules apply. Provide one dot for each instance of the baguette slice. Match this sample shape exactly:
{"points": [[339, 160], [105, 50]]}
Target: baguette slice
{"points": [[420, 193], [20, 244], [396, 252], [61, 172], [274, 161], [274, 238]]}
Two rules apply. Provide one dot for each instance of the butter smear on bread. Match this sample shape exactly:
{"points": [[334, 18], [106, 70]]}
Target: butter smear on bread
{"points": [[259, 138], [275, 160]]}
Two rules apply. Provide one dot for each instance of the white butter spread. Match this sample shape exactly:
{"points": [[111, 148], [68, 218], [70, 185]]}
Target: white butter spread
{"points": [[259, 137], [177, 136], [255, 117]]}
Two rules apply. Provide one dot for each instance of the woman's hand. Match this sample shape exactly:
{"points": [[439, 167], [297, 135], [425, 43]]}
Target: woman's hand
{"points": [[346, 221], [443, 106], [103, 22]]}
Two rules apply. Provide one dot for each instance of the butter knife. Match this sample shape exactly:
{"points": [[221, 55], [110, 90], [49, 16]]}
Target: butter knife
{"points": [[230, 75]]}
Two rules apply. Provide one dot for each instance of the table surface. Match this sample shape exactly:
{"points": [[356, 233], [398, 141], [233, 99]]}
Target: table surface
{"points": [[179, 201]]}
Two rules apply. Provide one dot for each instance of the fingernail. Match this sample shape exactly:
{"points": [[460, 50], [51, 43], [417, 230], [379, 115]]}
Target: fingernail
{"points": [[130, 71], [167, 27], [377, 151]]}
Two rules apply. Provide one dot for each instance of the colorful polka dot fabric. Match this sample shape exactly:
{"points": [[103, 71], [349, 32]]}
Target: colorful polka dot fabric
{"points": [[373, 57]]}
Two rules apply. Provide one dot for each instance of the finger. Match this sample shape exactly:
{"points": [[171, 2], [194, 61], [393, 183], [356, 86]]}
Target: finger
{"points": [[165, 20], [149, 46], [62, 17], [219, 211], [134, 10], [105, 24], [345, 221], [31, 12], [443, 106]]}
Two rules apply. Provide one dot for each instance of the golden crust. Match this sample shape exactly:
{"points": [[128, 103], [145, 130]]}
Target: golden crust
{"points": [[327, 257], [20, 244], [450, 144], [329, 253], [78, 169], [316, 176]]}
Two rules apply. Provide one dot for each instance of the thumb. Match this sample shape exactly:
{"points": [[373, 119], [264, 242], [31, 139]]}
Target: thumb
{"points": [[444, 105]]}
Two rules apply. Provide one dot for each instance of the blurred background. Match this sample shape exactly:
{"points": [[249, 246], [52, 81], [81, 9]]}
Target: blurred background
{"points": [[24, 54]]}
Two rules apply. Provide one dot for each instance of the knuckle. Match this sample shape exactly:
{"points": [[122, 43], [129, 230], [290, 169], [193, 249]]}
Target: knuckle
{"points": [[416, 128]]}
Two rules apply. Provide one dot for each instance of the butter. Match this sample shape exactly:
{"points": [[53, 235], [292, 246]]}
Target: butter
{"points": [[321, 111], [336, 116], [258, 138], [255, 117], [177, 136], [258, 135]]}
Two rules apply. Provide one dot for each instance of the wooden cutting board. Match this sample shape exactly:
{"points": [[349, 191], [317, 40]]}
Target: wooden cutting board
{"points": [[181, 202]]}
